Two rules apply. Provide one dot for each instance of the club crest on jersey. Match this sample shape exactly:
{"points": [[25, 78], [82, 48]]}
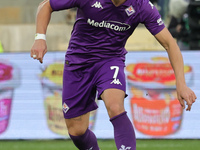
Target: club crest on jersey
{"points": [[65, 107], [130, 10]]}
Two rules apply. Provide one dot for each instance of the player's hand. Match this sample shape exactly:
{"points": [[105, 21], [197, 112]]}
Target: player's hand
{"points": [[186, 95], [38, 50]]}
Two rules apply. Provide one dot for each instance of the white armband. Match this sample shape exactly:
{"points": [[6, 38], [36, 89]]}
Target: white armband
{"points": [[39, 36]]}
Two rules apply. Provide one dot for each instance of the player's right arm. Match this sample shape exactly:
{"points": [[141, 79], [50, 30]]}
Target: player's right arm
{"points": [[43, 17]]}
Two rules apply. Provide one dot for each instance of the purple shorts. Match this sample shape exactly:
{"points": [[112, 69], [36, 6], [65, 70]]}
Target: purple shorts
{"points": [[80, 86]]}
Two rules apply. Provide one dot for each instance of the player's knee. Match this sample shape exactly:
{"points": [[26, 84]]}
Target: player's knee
{"points": [[78, 125], [76, 130], [115, 109]]}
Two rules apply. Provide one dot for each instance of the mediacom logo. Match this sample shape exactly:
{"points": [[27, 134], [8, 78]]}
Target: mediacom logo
{"points": [[114, 25]]}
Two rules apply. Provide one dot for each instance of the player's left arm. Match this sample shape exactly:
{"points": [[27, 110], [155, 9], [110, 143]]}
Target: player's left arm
{"points": [[184, 93]]}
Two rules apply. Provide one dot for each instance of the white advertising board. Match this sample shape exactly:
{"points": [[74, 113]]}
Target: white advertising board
{"points": [[30, 106]]}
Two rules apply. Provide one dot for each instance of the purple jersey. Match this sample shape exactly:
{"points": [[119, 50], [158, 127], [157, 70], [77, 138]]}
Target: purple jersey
{"points": [[102, 29]]}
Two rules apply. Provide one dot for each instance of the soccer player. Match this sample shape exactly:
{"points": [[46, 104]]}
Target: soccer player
{"points": [[95, 58]]}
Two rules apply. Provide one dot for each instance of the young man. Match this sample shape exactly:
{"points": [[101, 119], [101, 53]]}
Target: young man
{"points": [[95, 62]]}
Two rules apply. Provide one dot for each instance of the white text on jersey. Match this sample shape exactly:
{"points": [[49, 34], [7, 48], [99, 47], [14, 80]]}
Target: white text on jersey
{"points": [[114, 25]]}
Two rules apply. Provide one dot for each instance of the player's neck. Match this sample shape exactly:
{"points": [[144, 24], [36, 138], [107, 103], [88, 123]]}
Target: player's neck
{"points": [[118, 2]]}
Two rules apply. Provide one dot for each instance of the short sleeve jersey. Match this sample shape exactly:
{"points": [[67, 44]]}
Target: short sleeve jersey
{"points": [[101, 29]]}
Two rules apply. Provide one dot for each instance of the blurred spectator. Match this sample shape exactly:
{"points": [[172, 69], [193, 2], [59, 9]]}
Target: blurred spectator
{"points": [[164, 9], [162, 6], [154, 1], [194, 24], [178, 25]]}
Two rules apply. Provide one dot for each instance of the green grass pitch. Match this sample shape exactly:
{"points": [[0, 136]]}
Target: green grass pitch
{"points": [[104, 145]]}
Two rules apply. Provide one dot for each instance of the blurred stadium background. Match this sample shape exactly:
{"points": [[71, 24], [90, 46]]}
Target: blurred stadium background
{"points": [[17, 30]]}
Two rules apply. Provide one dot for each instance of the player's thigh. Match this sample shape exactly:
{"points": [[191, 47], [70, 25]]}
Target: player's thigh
{"points": [[114, 101], [78, 125]]}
